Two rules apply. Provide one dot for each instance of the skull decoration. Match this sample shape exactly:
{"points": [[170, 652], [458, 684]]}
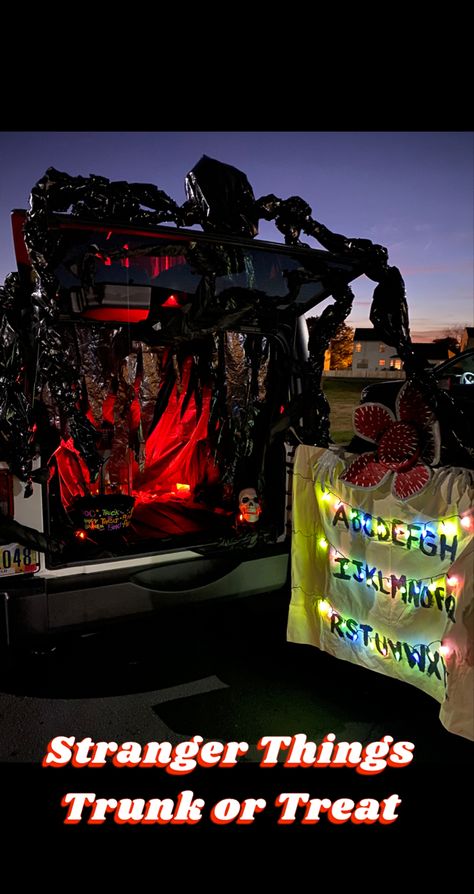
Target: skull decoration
{"points": [[249, 505]]}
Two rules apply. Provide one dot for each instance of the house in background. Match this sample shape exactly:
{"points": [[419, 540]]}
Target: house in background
{"points": [[369, 353], [373, 355], [467, 338]]}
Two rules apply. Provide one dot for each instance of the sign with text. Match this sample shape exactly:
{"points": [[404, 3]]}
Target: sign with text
{"points": [[384, 583]]}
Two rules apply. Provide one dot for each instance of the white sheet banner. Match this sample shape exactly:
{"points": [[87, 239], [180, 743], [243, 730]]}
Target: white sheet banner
{"points": [[384, 583]]}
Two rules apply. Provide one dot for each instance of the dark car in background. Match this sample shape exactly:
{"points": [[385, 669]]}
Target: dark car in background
{"points": [[455, 379], [455, 376]]}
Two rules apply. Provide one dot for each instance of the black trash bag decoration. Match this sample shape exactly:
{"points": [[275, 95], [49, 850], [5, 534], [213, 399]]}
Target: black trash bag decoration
{"points": [[220, 199], [16, 416]]}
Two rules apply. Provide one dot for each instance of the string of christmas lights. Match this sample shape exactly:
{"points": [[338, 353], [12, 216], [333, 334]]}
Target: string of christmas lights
{"points": [[446, 525], [325, 608], [451, 580], [439, 536], [373, 642]]}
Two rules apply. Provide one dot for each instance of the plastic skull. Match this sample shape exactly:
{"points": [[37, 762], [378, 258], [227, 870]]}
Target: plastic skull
{"points": [[249, 505]]}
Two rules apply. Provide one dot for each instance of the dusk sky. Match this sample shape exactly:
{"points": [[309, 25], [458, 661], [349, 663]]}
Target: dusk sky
{"points": [[412, 192]]}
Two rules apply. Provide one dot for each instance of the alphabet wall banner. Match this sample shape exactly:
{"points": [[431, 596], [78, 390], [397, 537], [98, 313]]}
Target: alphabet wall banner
{"points": [[384, 583]]}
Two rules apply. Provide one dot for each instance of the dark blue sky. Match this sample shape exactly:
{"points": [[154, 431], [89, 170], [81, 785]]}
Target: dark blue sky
{"points": [[412, 192]]}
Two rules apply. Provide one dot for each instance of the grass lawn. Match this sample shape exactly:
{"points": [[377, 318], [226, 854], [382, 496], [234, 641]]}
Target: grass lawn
{"points": [[343, 395]]}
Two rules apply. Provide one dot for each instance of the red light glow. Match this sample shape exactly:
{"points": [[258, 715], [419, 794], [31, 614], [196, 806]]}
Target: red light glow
{"points": [[117, 314], [172, 301]]}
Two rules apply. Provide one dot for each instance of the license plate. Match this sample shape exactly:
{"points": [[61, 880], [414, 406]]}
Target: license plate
{"points": [[15, 559]]}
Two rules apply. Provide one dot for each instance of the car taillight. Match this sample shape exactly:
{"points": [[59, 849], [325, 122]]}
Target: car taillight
{"points": [[6, 493]]}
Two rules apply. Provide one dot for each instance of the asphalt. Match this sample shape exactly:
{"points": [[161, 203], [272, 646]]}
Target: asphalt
{"points": [[226, 673]]}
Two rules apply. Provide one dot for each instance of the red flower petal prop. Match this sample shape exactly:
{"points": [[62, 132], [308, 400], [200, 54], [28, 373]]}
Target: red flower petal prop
{"points": [[402, 443], [371, 420], [411, 483], [411, 406], [399, 447], [365, 472]]}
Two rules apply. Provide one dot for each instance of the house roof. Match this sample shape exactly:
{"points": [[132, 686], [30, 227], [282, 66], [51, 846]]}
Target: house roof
{"points": [[366, 335], [431, 351]]}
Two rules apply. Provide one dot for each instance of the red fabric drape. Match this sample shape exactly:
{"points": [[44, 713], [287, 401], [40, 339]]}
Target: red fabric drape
{"points": [[74, 478], [177, 450]]}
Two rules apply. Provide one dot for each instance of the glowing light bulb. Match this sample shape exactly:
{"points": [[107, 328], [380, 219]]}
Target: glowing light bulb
{"points": [[323, 543], [447, 528], [381, 529], [324, 607], [444, 651], [326, 496], [452, 580], [80, 534], [337, 504], [466, 522]]}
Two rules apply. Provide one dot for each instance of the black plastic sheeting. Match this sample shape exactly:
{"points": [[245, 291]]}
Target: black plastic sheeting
{"points": [[16, 417], [220, 199]]}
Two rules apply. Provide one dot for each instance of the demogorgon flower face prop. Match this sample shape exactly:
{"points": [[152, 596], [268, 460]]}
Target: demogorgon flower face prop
{"points": [[407, 445]]}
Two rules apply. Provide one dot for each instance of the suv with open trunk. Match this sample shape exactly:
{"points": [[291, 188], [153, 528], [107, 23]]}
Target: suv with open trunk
{"points": [[162, 376]]}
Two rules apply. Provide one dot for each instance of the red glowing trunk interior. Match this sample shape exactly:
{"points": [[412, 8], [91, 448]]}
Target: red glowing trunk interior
{"points": [[176, 461]]}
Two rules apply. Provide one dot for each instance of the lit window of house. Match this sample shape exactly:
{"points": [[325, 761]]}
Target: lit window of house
{"points": [[381, 348], [396, 364], [381, 362], [358, 347]]}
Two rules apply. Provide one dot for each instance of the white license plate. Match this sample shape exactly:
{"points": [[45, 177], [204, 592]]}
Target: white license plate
{"points": [[15, 559]]}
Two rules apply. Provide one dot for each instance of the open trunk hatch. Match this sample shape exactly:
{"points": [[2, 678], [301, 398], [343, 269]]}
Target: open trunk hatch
{"points": [[182, 347]]}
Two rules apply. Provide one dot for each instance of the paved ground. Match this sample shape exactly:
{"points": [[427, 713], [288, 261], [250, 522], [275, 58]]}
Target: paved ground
{"points": [[226, 673]]}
